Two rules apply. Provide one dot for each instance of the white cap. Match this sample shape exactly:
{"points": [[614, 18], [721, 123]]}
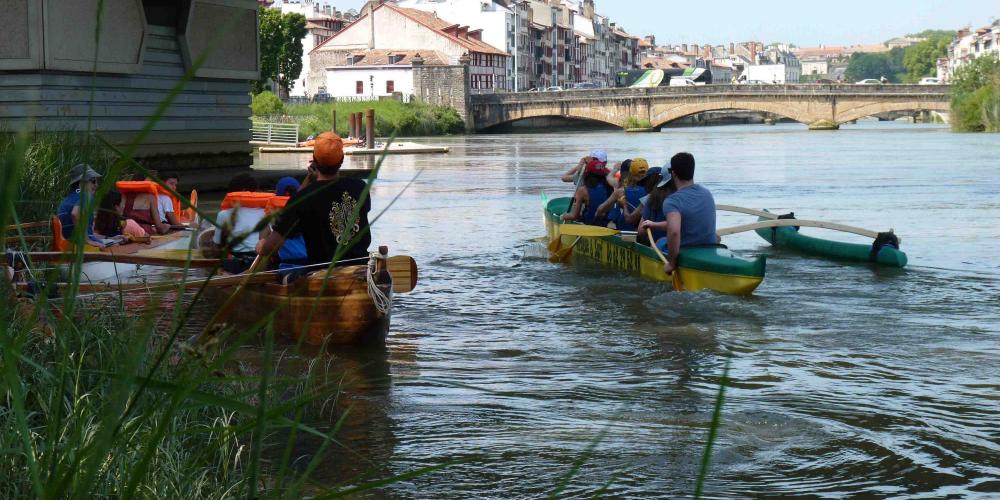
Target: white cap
{"points": [[599, 155]]}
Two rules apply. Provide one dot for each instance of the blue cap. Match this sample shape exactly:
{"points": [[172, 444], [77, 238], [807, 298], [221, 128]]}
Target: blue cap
{"points": [[286, 183]]}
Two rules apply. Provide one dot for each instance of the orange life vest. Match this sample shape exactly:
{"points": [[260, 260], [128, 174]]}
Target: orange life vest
{"points": [[246, 199], [148, 187], [276, 203]]}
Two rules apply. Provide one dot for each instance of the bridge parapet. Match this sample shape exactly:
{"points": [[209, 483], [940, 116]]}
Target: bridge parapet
{"points": [[812, 104]]}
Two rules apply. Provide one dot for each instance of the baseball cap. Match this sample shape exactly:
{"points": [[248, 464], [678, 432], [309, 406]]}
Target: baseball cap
{"points": [[599, 155], [284, 184], [665, 179], [328, 150]]}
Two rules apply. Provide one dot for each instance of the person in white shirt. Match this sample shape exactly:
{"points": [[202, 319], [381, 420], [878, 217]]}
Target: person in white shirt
{"points": [[237, 229], [165, 204]]}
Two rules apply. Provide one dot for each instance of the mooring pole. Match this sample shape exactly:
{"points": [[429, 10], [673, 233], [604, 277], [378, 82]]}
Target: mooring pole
{"points": [[350, 125], [333, 120], [370, 131]]}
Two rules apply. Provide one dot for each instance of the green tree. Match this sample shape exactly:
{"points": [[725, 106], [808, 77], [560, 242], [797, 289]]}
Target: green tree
{"points": [[280, 48], [864, 65], [920, 60], [266, 104], [975, 96]]}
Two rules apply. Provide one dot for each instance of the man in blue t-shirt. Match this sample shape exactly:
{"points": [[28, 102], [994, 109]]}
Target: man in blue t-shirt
{"points": [[690, 212]]}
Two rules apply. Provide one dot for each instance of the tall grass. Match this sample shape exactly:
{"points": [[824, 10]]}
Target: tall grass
{"points": [[392, 117], [101, 400]]}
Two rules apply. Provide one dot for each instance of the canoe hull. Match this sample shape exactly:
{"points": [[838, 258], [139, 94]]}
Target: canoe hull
{"points": [[700, 268], [789, 238], [341, 313]]}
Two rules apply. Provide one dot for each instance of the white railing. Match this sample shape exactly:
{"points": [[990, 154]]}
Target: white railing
{"points": [[275, 133]]}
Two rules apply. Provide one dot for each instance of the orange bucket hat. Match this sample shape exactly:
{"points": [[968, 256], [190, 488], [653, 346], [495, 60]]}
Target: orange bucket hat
{"points": [[328, 150]]}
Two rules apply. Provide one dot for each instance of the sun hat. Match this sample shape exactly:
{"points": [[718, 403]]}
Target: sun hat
{"points": [[284, 184], [638, 168], [82, 172], [599, 155], [328, 151]]}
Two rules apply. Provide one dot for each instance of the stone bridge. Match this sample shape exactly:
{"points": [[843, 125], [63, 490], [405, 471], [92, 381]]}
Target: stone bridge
{"points": [[822, 107]]}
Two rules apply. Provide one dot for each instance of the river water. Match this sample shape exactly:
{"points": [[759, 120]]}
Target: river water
{"points": [[844, 379]]}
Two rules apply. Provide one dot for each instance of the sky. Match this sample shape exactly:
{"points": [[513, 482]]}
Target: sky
{"points": [[805, 23]]}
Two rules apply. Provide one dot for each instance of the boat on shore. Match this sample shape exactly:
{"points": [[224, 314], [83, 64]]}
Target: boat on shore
{"points": [[710, 267]]}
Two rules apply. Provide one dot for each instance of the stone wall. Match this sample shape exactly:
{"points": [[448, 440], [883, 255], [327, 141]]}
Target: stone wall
{"points": [[445, 86]]}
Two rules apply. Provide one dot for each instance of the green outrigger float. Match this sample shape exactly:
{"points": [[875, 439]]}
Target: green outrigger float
{"points": [[791, 238], [711, 267]]}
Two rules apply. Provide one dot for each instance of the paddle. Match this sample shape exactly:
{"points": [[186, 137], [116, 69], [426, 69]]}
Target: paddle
{"points": [[562, 254], [797, 222], [585, 230], [403, 270], [678, 285]]}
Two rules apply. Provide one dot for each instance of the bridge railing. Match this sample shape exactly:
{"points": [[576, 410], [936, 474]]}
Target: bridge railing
{"points": [[740, 90]]}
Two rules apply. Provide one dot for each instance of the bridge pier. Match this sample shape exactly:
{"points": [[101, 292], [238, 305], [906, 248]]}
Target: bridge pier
{"points": [[824, 125]]}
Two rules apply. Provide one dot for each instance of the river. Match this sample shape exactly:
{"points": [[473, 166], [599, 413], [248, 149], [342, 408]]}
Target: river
{"points": [[845, 379]]}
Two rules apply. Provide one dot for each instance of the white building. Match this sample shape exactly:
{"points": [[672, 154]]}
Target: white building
{"points": [[971, 44], [815, 66], [494, 19], [375, 49], [775, 64]]}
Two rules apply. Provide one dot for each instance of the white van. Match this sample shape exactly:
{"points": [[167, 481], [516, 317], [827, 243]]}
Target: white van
{"points": [[681, 81]]}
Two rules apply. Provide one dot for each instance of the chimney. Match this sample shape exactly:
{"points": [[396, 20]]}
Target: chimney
{"points": [[462, 32], [417, 60], [369, 10], [695, 48], [684, 48], [732, 48]]}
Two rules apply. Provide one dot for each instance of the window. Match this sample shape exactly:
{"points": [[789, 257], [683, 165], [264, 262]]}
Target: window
{"points": [[359, 87], [390, 86]]}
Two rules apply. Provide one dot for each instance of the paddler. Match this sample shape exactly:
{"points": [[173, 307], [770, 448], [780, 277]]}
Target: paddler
{"points": [[594, 191], [575, 174], [626, 200], [690, 212], [82, 186], [324, 212], [237, 233]]}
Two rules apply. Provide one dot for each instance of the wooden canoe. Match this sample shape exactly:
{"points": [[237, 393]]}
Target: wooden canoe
{"points": [[711, 267], [341, 313]]}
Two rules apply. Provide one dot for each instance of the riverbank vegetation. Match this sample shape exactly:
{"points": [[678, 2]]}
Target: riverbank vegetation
{"points": [[391, 116], [902, 65], [635, 123], [975, 96]]}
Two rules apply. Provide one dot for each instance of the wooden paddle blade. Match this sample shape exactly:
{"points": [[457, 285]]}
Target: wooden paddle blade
{"points": [[585, 230], [403, 270], [555, 244]]}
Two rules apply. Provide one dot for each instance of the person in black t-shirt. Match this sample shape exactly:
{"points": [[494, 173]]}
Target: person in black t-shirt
{"points": [[322, 212]]}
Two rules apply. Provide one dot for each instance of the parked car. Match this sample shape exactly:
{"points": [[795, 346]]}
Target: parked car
{"points": [[554, 88], [930, 80], [868, 81]]}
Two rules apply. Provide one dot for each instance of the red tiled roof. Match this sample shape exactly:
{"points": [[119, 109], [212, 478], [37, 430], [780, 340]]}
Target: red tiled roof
{"points": [[432, 22], [437, 24]]}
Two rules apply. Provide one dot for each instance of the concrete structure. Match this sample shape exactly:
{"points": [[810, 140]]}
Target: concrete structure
{"points": [[818, 67], [387, 27], [371, 74], [47, 52], [820, 106]]}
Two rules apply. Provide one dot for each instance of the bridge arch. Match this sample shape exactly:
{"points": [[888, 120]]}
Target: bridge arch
{"points": [[583, 113], [874, 108], [665, 113]]}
